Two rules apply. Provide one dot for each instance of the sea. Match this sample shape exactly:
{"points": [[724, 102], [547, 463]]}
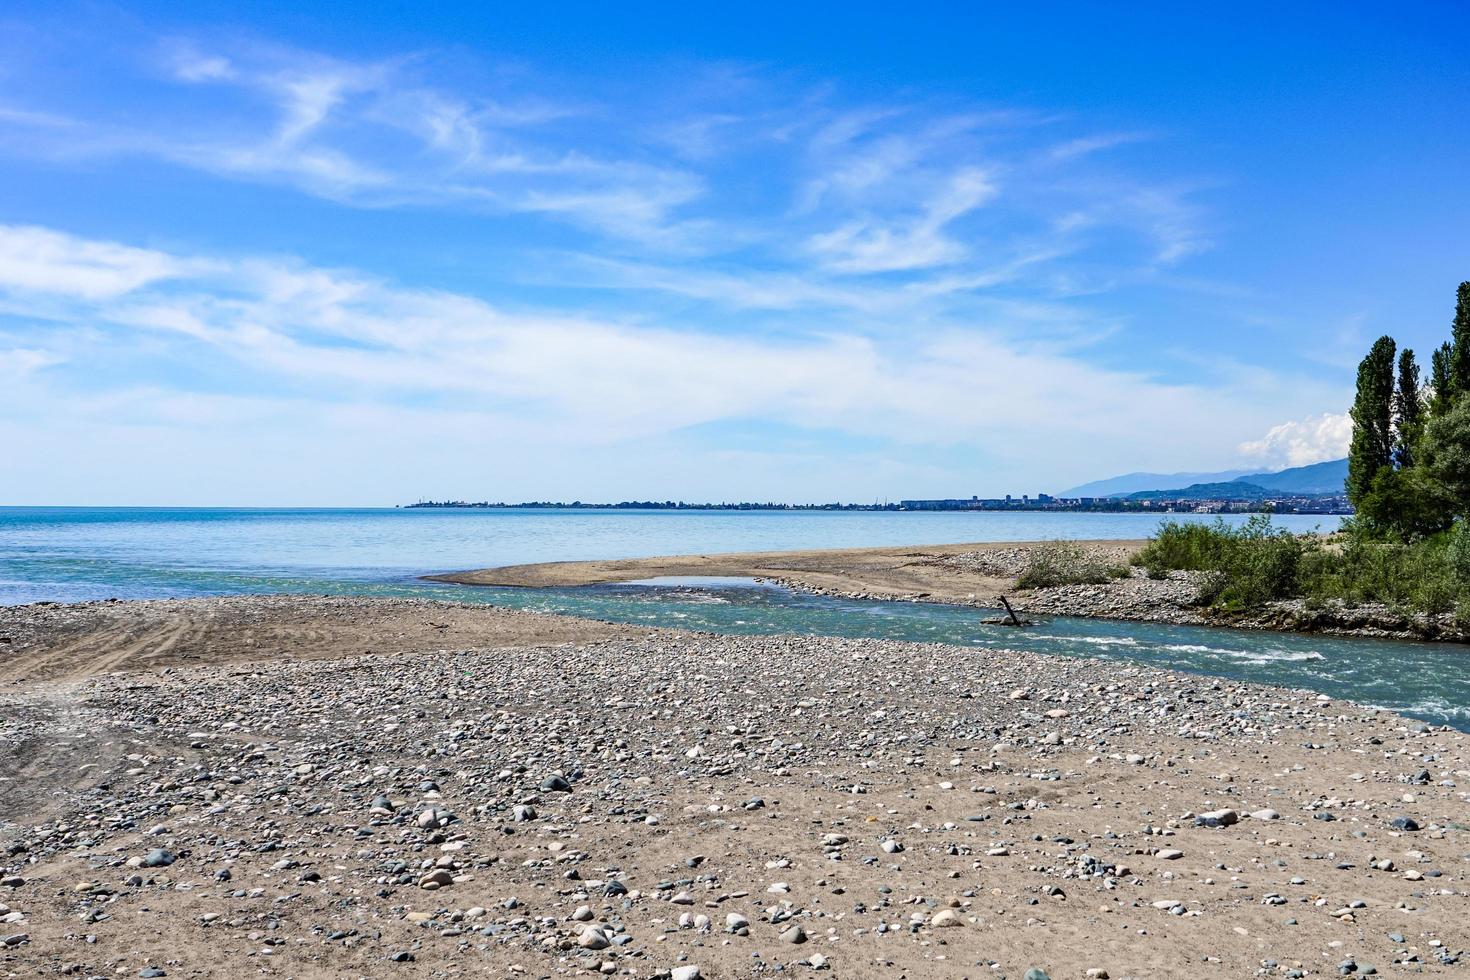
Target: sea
{"points": [[65, 554]]}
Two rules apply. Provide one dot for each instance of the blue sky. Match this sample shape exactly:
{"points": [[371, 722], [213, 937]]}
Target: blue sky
{"points": [[260, 254]]}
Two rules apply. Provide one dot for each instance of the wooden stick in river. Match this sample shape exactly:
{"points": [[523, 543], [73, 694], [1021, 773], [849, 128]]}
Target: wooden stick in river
{"points": [[1009, 611]]}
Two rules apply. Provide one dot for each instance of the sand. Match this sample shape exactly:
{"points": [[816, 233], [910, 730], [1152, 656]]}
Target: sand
{"points": [[231, 787], [917, 571]]}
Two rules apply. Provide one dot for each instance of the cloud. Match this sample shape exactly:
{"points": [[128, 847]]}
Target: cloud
{"points": [[20, 362], [373, 134], [31, 119], [704, 248], [869, 246], [284, 330], [1087, 145], [1311, 440], [39, 260], [190, 66], [728, 159]]}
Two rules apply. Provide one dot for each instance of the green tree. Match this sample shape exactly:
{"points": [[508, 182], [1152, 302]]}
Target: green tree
{"points": [[1441, 386], [1408, 411], [1460, 341], [1445, 453], [1405, 505], [1372, 414]]}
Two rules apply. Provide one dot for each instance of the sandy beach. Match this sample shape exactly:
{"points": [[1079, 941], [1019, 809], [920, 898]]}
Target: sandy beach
{"points": [[976, 572], [339, 787]]}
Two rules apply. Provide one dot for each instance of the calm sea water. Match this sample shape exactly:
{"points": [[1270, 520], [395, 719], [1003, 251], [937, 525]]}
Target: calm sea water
{"points": [[69, 554]]}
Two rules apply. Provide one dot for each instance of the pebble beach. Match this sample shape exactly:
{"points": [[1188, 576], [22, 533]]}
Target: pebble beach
{"points": [[567, 798]]}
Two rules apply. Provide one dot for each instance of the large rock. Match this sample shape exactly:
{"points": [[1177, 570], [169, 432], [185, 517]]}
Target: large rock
{"points": [[1217, 818], [593, 938]]}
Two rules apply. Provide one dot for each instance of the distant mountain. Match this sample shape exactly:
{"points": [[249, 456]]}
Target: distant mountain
{"points": [[1328, 477], [1318, 478], [1121, 486], [1232, 490]]}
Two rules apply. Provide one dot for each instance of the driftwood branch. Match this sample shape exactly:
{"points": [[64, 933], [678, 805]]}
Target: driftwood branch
{"points": [[1015, 621], [1010, 618]]}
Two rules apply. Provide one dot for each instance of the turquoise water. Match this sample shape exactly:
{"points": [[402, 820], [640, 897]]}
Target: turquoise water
{"points": [[76, 554], [70, 554]]}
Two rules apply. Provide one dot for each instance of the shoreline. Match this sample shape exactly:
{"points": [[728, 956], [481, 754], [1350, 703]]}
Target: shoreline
{"points": [[900, 572], [975, 574]]}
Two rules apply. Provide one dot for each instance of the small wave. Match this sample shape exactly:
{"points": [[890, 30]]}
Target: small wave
{"points": [[703, 599], [1273, 656], [1430, 707], [1096, 641], [1101, 641]]}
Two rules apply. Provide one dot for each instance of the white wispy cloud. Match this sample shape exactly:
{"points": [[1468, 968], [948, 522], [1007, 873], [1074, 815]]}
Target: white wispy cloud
{"points": [[20, 362], [898, 271], [40, 260], [918, 242], [852, 189], [1087, 145], [353, 339]]}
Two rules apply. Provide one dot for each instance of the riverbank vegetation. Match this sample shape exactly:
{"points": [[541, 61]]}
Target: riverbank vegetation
{"points": [[1408, 546], [1243, 568], [1064, 563]]}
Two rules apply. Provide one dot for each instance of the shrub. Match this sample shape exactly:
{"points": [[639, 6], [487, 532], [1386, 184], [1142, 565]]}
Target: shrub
{"points": [[1187, 547], [1253, 564], [1457, 553], [1263, 565], [1246, 565], [1062, 563]]}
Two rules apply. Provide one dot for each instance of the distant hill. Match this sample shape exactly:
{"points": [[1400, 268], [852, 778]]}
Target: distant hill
{"points": [[1316, 479], [1328, 477], [1231, 490], [1121, 486]]}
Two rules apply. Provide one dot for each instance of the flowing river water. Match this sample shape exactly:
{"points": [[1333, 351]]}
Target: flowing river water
{"points": [[78, 554]]}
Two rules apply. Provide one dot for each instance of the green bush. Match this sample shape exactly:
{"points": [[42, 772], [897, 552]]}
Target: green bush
{"points": [[1062, 563], [1416, 577], [1457, 551], [1246, 566], [1187, 547]]}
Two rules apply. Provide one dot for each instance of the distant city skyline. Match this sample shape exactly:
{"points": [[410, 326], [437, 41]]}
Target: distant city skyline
{"points": [[259, 256]]}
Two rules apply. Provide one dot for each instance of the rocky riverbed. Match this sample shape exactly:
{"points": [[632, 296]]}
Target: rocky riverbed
{"points": [[664, 804]]}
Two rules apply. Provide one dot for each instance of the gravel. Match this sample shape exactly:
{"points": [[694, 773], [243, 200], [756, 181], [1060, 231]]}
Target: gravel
{"points": [[591, 807]]}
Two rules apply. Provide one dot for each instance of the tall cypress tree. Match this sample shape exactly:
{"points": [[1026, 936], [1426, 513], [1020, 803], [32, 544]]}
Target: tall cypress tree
{"points": [[1408, 411], [1460, 340], [1372, 414], [1441, 386]]}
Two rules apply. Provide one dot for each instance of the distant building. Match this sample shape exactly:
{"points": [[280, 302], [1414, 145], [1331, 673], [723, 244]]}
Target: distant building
{"points": [[1042, 501]]}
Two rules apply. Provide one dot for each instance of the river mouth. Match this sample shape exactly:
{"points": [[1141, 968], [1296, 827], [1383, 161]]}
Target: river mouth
{"points": [[1429, 681]]}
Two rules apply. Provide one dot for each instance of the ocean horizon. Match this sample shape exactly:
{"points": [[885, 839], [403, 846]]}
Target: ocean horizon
{"points": [[72, 554]]}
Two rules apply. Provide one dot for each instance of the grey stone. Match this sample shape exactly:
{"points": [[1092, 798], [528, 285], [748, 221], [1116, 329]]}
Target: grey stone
{"points": [[158, 858], [796, 934]]}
